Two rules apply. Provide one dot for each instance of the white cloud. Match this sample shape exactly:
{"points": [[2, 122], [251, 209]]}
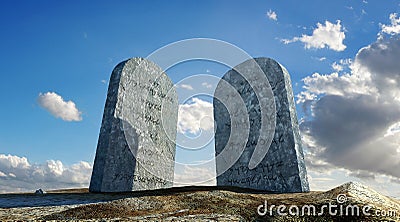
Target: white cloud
{"points": [[337, 67], [55, 167], [394, 27], [9, 161], [59, 108], [392, 130], [272, 15], [343, 63], [103, 81], [194, 175], [335, 84], [322, 59], [207, 85], [17, 174], [354, 113], [329, 35], [195, 116], [304, 96], [185, 86]]}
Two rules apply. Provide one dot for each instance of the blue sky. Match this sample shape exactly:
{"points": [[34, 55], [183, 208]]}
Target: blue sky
{"points": [[71, 49]]}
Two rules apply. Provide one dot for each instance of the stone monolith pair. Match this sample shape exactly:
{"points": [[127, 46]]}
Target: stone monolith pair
{"points": [[136, 146]]}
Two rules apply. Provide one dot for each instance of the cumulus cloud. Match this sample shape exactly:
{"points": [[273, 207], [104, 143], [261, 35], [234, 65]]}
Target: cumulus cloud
{"points": [[59, 108], [272, 15], [349, 130], [335, 84], [341, 65], [324, 36], [8, 162], [17, 174], [337, 67], [381, 61], [354, 117], [195, 116], [394, 27], [305, 96]]}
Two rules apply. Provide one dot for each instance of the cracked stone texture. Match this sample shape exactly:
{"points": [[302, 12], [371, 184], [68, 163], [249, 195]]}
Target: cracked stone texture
{"points": [[283, 169], [136, 147]]}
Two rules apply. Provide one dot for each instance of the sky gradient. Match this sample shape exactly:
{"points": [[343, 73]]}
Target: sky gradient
{"points": [[342, 56]]}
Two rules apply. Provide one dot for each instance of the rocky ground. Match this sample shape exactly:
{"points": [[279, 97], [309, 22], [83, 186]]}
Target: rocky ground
{"points": [[197, 204]]}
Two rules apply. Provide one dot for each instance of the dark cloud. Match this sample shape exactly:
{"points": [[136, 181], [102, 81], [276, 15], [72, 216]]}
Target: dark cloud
{"points": [[341, 122], [363, 175], [349, 130], [382, 59]]}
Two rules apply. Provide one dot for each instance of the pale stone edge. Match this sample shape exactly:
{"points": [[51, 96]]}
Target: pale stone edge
{"points": [[295, 125]]}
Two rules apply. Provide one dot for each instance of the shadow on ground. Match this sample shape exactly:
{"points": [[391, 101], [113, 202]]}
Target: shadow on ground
{"points": [[83, 196]]}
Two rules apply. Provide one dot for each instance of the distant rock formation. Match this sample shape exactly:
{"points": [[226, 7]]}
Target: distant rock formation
{"points": [[357, 192], [39, 192]]}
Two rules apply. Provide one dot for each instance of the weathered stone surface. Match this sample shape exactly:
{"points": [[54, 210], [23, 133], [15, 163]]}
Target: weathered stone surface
{"points": [[136, 146], [282, 169]]}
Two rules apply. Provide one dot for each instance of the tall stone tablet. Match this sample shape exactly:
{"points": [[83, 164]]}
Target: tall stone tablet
{"points": [[136, 146], [281, 167]]}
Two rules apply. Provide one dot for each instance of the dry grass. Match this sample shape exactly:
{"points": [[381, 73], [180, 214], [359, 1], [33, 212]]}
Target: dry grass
{"points": [[184, 202]]}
